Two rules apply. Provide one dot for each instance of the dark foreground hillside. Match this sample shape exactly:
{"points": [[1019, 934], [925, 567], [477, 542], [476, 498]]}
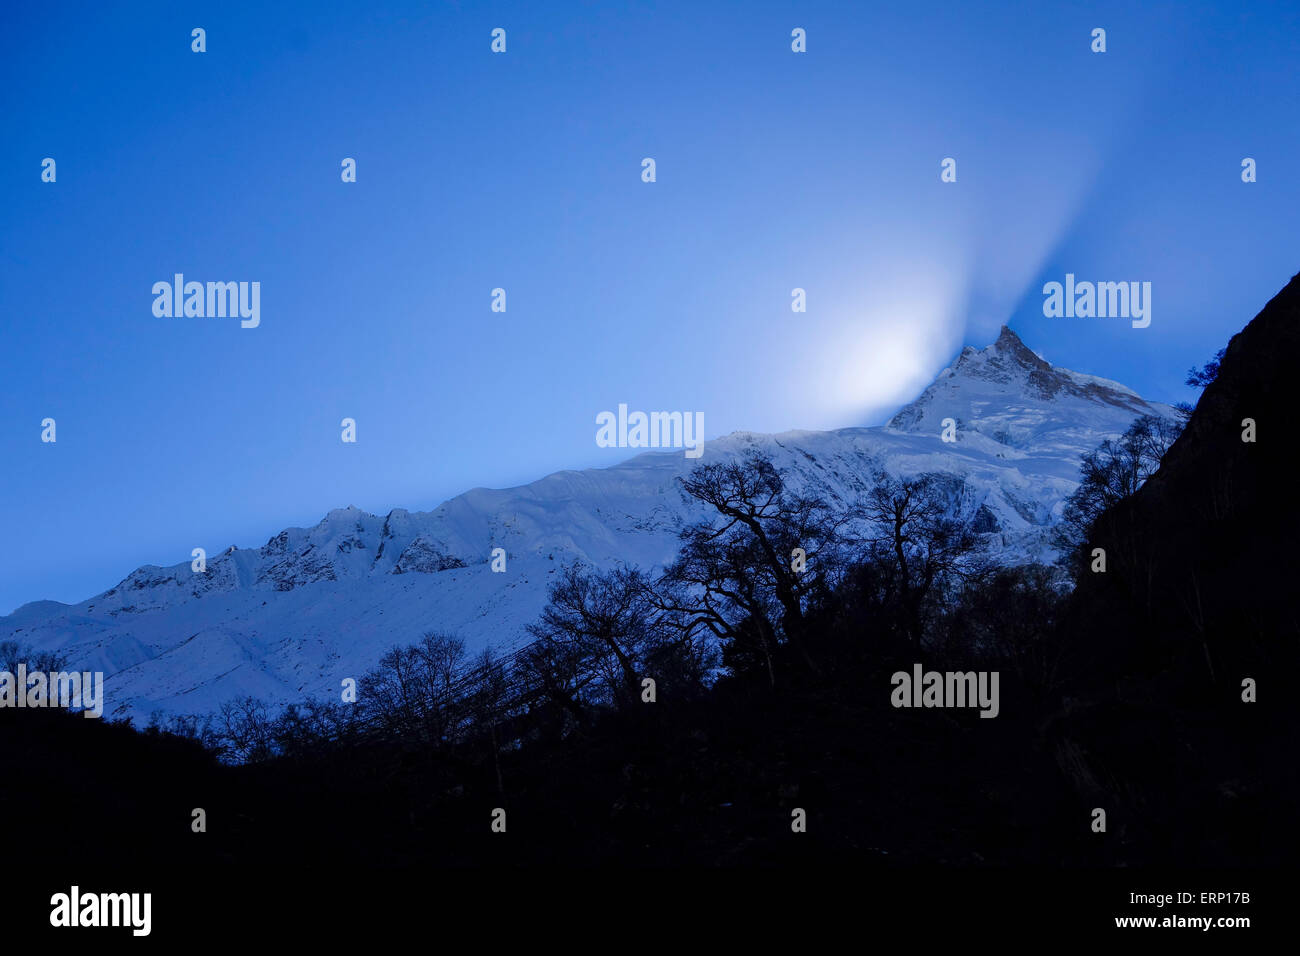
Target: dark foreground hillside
{"points": [[1143, 717]]}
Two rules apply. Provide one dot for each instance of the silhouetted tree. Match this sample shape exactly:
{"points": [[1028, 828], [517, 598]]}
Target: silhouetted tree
{"points": [[916, 526], [245, 730], [555, 669], [745, 573], [1207, 373], [305, 727], [13, 653], [487, 702], [1009, 617], [411, 690], [607, 618], [1109, 474]]}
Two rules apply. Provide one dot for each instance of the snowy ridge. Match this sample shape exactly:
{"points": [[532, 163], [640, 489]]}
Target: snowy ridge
{"points": [[315, 605]]}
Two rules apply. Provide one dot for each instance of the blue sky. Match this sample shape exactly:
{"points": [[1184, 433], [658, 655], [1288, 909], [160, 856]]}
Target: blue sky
{"points": [[775, 170]]}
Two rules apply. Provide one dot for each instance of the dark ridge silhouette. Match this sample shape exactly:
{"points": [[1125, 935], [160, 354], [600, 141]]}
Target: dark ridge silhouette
{"points": [[1204, 553], [1198, 597]]}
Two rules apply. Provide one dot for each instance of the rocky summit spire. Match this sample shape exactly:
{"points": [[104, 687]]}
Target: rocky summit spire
{"points": [[1008, 343], [1008, 352]]}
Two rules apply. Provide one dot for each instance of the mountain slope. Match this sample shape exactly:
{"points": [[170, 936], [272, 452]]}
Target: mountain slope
{"points": [[313, 606]]}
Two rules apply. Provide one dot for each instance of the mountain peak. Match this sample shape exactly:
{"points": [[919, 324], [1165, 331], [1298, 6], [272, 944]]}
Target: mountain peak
{"points": [[1009, 342], [1008, 392], [1008, 352]]}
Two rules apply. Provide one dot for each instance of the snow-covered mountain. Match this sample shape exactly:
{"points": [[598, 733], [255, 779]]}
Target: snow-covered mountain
{"points": [[315, 605]]}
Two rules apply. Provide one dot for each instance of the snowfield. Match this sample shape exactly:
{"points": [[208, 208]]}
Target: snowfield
{"points": [[315, 605]]}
